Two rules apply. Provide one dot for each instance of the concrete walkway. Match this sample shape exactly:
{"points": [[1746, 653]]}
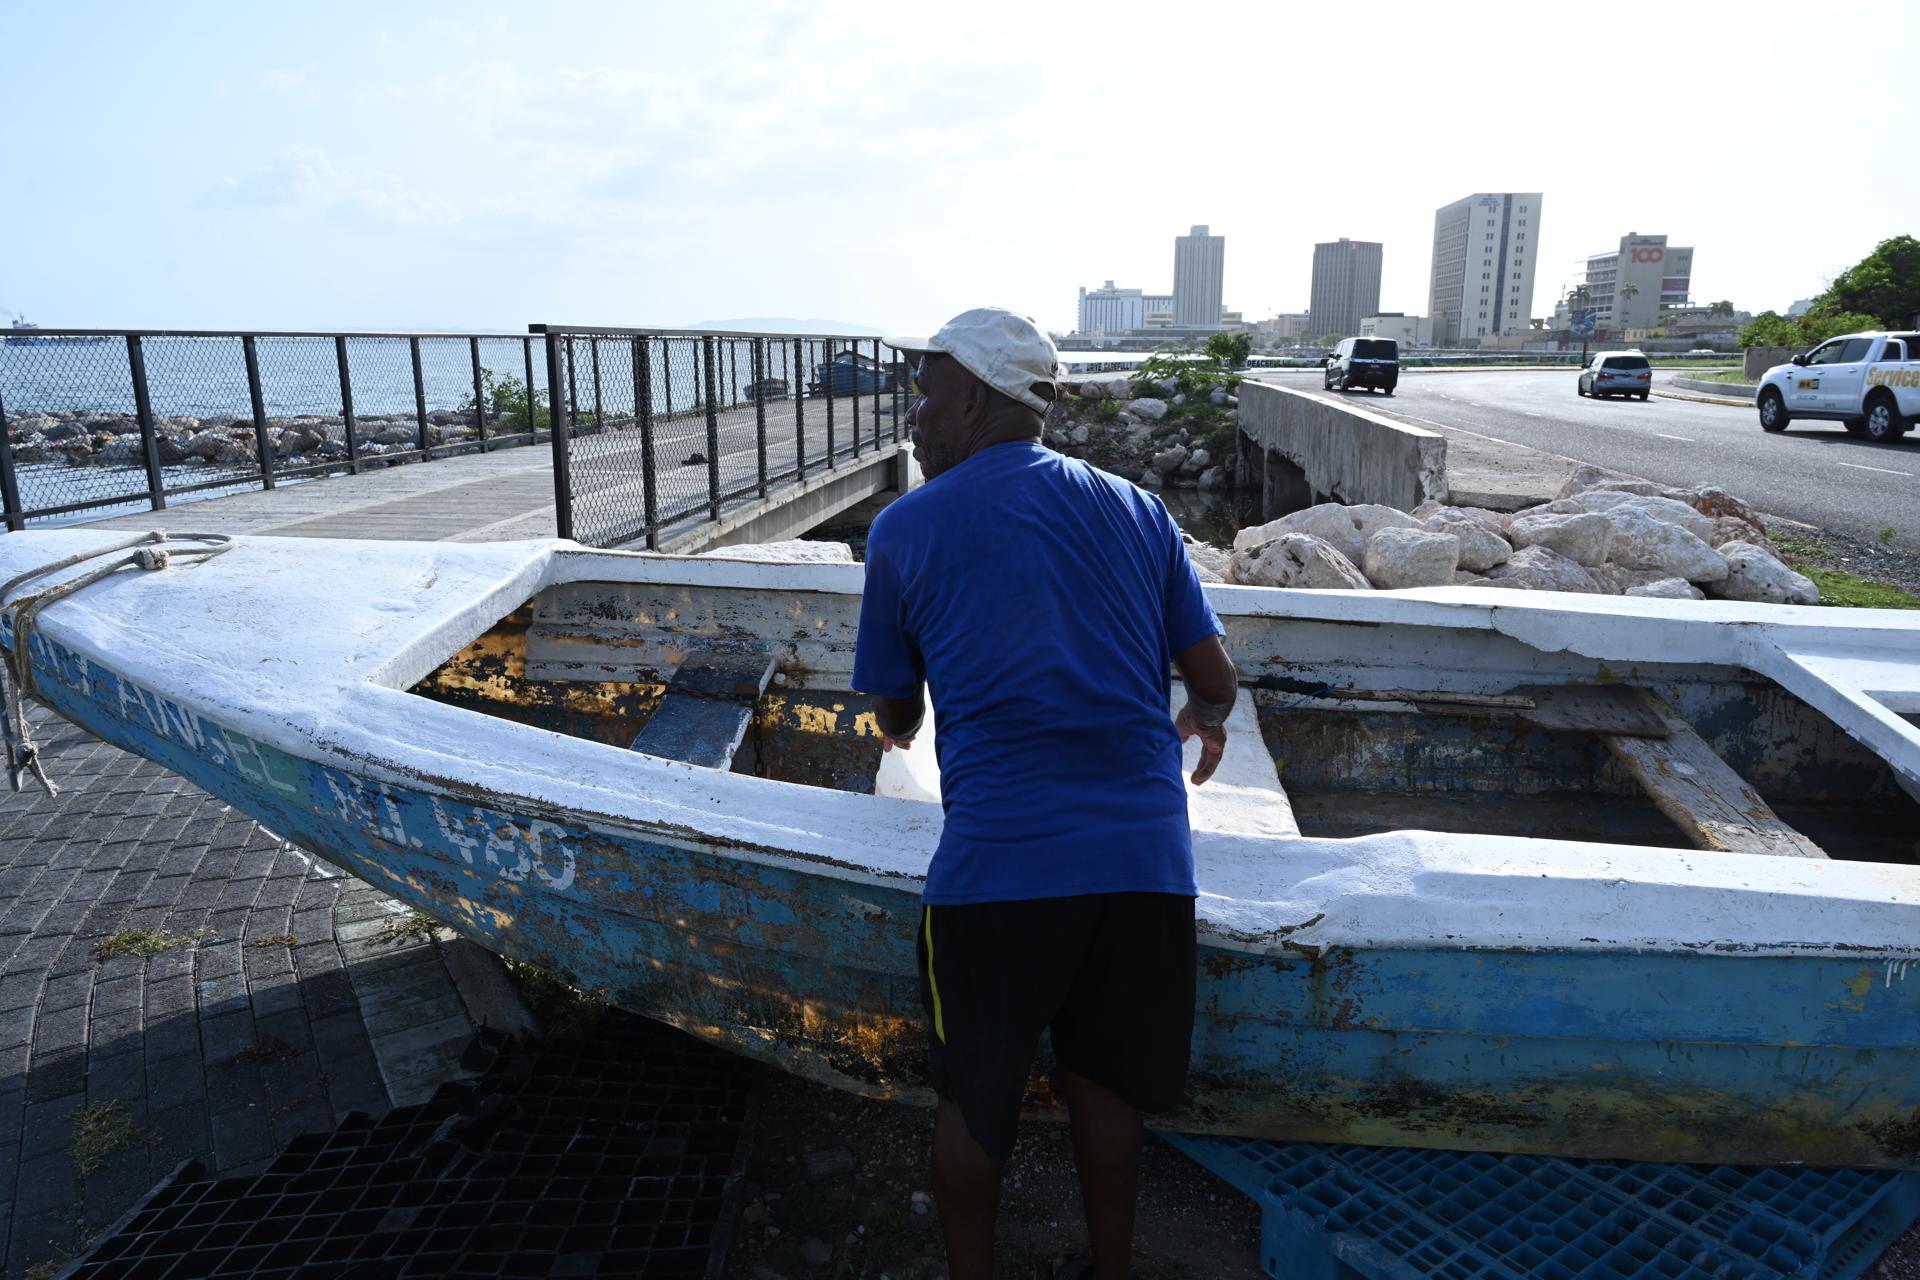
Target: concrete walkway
{"points": [[509, 493], [275, 994]]}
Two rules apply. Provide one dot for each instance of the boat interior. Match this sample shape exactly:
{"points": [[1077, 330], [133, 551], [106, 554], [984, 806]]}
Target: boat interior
{"points": [[1362, 727]]}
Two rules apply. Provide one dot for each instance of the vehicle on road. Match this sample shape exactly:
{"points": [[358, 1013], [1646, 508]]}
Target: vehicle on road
{"points": [[850, 373], [1867, 382], [1373, 363], [1617, 373]]}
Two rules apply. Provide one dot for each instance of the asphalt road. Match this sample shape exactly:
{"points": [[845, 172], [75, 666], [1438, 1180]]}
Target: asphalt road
{"points": [[1813, 472]]}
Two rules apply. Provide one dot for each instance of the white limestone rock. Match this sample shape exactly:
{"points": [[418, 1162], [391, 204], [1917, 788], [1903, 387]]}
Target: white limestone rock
{"points": [[1667, 589], [1347, 528], [1080, 434], [1543, 569], [1618, 580], [1713, 502], [1733, 529], [1400, 558], [1147, 407], [1295, 560], [1207, 558], [1642, 542], [791, 551], [1482, 543], [1586, 478], [1584, 537], [1171, 460], [1213, 479], [1093, 390], [1610, 500], [1151, 479], [1756, 574]]}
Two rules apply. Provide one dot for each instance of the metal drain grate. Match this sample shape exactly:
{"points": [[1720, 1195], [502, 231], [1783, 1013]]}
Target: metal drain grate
{"points": [[1394, 1213], [622, 1155]]}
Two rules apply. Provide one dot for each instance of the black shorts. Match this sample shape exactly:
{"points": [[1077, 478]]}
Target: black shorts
{"points": [[1111, 975]]}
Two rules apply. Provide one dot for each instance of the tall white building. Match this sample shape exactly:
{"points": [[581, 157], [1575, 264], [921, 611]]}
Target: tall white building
{"points": [[1483, 261], [1111, 310], [1346, 286], [1199, 279], [1635, 285]]}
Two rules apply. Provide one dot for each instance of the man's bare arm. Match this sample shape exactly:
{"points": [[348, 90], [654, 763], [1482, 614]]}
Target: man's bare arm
{"points": [[899, 719], [1212, 685]]}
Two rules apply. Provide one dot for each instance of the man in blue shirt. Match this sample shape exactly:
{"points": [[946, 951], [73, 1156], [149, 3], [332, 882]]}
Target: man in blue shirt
{"points": [[1042, 603]]}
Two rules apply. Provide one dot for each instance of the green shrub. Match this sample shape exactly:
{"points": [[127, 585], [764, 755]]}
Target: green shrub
{"points": [[1194, 375], [506, 404]]}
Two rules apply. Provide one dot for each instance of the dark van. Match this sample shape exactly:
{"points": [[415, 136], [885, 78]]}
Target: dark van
{"points": [[1373, 363]]}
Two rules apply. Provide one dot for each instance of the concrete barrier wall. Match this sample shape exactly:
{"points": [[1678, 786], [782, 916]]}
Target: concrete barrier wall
{"points": [[1761, 359], [1307, 450], [1731, 390]]}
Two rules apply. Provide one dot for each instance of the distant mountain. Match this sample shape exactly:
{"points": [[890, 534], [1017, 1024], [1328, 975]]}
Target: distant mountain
{"points": [[787, 324]]}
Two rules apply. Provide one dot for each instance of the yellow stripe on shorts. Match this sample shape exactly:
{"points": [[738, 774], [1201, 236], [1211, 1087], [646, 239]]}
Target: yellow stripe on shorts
{"points": [[939, 1023]]}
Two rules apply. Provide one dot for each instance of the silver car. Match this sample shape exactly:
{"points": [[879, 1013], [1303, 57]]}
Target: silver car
{"points": [[1617, 373]]}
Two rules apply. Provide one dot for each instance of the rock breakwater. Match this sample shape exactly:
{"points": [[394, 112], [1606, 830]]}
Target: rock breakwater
{"points": [[1598, 536]]}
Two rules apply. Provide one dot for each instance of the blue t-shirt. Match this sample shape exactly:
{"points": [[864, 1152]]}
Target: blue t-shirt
{"points": [[1042, 602]]}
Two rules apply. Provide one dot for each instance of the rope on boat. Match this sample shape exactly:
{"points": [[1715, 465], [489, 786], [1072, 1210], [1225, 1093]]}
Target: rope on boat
{"points": [[16, 673]]}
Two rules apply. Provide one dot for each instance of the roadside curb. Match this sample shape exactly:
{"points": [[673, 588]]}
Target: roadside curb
{"points": [[1740, 393], [1699, 399]]}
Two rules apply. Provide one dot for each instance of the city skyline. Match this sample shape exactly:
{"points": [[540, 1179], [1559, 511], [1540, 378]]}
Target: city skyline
{"points": [[436, 165]]}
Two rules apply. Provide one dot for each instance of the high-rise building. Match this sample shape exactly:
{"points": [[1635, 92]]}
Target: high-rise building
{"points": [[1636, 284], [1199, 279], [1110, 310], [1483, 260], [1346, 286]]}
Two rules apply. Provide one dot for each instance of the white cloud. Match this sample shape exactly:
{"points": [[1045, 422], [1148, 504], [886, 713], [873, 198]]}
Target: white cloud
{"points": [[303, 175]]}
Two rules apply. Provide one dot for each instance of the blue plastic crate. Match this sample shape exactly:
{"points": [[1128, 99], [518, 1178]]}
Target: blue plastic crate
{"points": [[1394, 1213]]}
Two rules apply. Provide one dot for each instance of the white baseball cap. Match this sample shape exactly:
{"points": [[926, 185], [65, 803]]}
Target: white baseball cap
{"points": [[1008, 352]]}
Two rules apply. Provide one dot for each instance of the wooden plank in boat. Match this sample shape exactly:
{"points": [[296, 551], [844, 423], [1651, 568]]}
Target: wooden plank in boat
{"points": [[1609, 709], [703, 717], [1711, 804]]}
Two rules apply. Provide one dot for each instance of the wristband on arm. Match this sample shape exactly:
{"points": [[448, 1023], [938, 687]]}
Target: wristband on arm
{"points": [[1208, 715]]}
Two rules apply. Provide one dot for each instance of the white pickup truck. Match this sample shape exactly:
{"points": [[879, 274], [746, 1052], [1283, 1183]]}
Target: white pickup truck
{"points": [[1869, 381]]}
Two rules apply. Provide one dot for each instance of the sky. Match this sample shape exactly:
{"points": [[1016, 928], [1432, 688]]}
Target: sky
{"points": [[450, 166]]}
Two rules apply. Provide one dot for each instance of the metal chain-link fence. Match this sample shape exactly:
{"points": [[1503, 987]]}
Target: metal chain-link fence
{"points": [[92, 420], [665, 428]]}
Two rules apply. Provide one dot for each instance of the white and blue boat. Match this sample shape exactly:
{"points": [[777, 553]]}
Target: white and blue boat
{"points": [[24, 333], [1500, 870]]}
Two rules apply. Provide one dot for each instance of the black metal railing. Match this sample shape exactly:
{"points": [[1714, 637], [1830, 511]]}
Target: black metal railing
{"points": [[658, 428], [96, 419]]}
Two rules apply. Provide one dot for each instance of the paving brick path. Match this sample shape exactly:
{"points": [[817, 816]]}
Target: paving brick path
{"points": [[221, 1050]]}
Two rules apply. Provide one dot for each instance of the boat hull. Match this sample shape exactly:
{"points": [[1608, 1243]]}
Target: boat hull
{"points": [[1689, 1056]]}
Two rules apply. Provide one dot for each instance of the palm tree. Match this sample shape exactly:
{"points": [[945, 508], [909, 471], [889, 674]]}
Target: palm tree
{"points": [[1578, 298], [1721, 309]]}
